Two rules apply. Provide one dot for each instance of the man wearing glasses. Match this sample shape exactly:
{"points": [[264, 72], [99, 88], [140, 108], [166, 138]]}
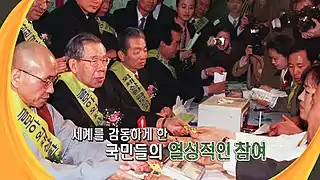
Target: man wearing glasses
{"points": [[87, 60], [47, 133]]}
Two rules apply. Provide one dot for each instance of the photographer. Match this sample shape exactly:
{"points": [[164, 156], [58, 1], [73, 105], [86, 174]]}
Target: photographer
{"points": [[249, 59], [304, 21], [221, 51]]}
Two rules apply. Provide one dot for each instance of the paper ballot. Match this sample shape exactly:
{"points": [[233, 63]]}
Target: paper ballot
{"points": [[220, 78], [192, 41], [180, 110], [265, 128]]}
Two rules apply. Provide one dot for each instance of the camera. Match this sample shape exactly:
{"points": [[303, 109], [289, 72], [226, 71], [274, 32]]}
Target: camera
{"points": [[216, 41], [300, 19], [255, 31], [219, 41]]}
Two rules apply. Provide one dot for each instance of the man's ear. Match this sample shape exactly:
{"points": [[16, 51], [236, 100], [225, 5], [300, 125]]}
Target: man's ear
{"points": [[121, 55], [15, 78], [73, 65]]}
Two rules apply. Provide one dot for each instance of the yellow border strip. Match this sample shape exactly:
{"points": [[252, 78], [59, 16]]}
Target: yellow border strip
{"points": [[17, 160]]}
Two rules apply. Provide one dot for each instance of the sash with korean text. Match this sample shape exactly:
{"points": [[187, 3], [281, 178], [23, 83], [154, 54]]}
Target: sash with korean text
{"points": [[36, 129], [132, 85], [30, 34], [155, 54], [104, 26], [85, 97]]}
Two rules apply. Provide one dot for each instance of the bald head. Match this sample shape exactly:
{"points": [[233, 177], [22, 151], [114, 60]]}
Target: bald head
{"points": [[33, 66], [31, 56]]}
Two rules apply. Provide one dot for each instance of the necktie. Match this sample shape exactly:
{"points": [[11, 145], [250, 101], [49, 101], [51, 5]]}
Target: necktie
{"points": [[142, 20], [44, 113], [234, 23]]}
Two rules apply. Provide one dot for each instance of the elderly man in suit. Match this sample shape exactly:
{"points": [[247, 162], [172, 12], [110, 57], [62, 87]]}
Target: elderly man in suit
{"points": [[46, 132]]}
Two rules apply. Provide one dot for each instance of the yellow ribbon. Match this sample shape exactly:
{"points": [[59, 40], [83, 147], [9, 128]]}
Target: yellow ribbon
{"points": [[292, 92], [86, 98], [104, 26], [30, 34], [36, 128], [132, 85], [153, 53]]}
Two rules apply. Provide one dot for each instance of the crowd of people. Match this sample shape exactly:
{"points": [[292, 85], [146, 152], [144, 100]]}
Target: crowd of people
{"points": [[73, 64]]}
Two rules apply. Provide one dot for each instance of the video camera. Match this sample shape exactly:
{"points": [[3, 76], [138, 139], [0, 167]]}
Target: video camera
{"points": [[257, 33], [301, 19]]}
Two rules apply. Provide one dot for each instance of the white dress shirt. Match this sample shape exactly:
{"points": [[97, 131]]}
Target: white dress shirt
{"points": [[140, 17], [280, 148]]}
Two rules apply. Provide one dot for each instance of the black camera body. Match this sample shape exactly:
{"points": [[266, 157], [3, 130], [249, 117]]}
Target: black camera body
{"points": [[257, 33], [300, 19]]}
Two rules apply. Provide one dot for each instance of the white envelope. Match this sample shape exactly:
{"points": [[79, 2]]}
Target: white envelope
{"points": [[219, 77]]}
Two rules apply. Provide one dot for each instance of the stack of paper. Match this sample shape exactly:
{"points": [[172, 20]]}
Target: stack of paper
{"points": [[220, 78]]}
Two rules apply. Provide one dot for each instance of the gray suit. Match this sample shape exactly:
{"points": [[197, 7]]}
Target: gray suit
{"points": [[82, 160]]}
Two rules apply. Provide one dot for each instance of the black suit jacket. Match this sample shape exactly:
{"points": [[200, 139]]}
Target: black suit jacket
{"points": [[66, 22], [225, 23], [128, 17], [206, 32], [166, 16], [212, 57], [65, 102], [257, 169], [108, 39], [167, 84], [116, 96]]}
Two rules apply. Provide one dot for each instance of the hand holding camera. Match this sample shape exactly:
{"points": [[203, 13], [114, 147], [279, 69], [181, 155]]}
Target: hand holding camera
{"points": [[314, 32], [213, 41], [248, 51], [244, 21]]}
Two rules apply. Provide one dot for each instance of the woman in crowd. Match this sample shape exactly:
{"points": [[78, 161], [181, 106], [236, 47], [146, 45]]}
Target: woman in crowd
{"points": [[185, 11]]}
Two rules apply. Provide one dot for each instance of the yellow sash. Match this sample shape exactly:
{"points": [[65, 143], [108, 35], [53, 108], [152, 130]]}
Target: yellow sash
{"points": [[86, 98], [36, 129], [153, 53], [30, 34], [132, 85], [292, 92], [104, 26]]}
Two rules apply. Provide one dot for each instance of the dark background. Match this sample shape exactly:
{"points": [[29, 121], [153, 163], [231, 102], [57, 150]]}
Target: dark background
{"points": [[8, 5]]}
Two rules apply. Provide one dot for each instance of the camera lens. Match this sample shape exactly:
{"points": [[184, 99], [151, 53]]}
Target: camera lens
{"points": [[305, 23]]}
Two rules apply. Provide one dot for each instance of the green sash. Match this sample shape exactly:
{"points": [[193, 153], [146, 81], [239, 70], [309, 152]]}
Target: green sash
{"points": [[86, 98], [36, 129], [30, 34], [104, 26], [155, 54], [132, 85], [292, 92]]}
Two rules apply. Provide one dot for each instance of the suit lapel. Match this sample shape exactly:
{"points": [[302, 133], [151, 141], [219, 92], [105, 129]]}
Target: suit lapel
{"points": [[143, 78]]}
